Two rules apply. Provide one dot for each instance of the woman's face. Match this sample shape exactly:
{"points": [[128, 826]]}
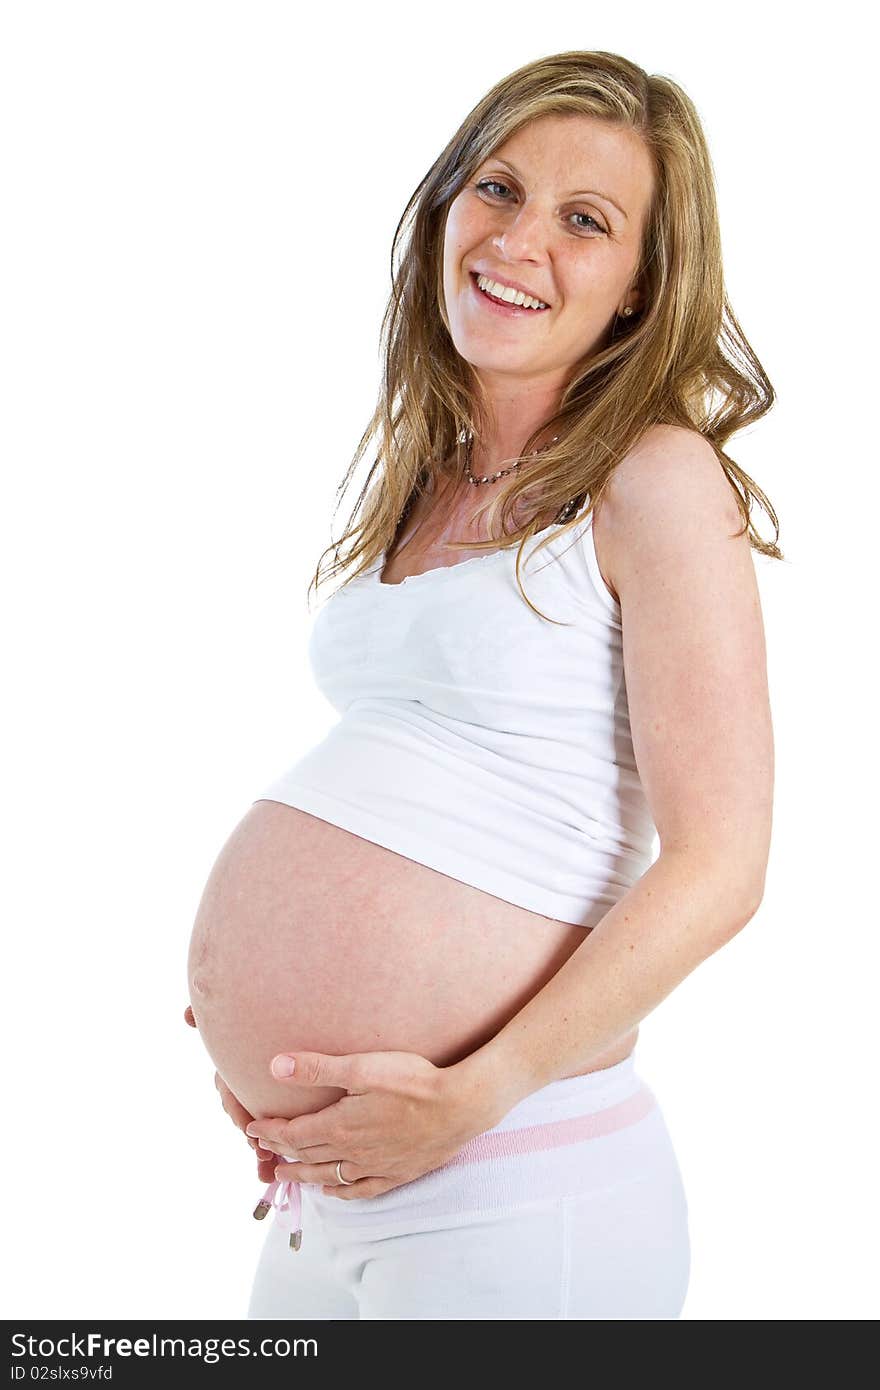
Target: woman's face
{"points": [[559, 210]]}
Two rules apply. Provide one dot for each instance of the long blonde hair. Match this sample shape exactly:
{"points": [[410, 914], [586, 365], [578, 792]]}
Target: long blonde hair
{"points": [[682, 359]]}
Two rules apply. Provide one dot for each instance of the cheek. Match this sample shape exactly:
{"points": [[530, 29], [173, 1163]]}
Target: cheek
{"points": [[587, 285], [466, 228]]}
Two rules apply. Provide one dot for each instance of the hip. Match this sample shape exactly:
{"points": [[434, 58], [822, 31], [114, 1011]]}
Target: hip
{"points": [[583, 1136], [573, 1206]]}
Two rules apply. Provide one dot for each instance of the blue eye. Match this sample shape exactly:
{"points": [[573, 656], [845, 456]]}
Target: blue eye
{"points": [[493, 183]]}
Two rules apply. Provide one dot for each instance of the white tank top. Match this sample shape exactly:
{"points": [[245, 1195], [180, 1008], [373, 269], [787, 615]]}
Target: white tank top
{"points": [[479, 739]]}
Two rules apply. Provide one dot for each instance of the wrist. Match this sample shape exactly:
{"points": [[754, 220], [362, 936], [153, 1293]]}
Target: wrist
{"points": [[482, 1090]]}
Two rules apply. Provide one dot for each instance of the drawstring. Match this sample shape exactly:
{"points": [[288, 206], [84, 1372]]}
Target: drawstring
{"points": [[288, 1210]]}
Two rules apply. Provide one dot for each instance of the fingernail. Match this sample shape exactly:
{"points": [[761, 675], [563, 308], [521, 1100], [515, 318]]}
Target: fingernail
{"points": [[251, 1132], [283, 1066]]}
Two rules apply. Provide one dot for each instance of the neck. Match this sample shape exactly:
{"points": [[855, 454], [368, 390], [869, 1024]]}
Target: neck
{"points": [[511, 416]]}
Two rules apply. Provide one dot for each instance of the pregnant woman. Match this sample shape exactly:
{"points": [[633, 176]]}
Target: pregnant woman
{"points": [[421, 959]]}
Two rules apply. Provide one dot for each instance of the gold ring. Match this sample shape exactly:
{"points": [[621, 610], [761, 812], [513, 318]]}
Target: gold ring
{"points": [[346, 1182]]}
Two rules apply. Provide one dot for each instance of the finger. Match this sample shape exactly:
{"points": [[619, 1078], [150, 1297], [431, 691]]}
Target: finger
{"points": [[316, 1153], [266, 1171], [189, 1017], [308, 1153], [271, 1146], [276, 1135], [231, 1103], [316, 1172], [366, 1187], [264, 1155], [315, 1128], [236, 1111], [322, 1069]]}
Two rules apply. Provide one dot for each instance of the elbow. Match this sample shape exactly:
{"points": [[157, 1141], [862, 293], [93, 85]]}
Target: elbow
{"points": [[729, 891], [751, 875], [749, 902], [735, 906], [742, 897]]}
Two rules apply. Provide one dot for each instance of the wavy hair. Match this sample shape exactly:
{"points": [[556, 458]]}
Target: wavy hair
{"points": [[681, 359]]}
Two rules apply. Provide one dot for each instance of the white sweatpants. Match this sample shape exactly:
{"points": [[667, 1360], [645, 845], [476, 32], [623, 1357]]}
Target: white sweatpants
{"points": [[571, 1207]]}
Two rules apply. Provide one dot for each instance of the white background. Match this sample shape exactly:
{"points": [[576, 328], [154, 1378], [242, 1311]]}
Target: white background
{"points": [[199, 206]]}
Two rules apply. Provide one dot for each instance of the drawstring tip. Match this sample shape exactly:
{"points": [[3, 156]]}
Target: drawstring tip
{"points": [[287, 1209], [266, 1202]]}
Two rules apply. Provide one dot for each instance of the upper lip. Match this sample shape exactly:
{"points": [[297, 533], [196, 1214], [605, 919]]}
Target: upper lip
{"points": [[510, 284]]}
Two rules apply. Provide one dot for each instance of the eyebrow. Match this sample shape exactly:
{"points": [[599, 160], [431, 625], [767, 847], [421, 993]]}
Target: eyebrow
{"points": [[577, 193]]}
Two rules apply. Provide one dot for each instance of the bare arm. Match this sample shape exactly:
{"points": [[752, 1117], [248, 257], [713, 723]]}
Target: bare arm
{"points": [[695, 669]]}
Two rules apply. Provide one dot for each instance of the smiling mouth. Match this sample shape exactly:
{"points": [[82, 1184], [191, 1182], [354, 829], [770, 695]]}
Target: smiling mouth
{"points": [[519, 310]]}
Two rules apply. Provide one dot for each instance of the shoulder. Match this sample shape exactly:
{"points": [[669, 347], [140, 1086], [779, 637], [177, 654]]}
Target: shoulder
{"points": [[669, 490]]}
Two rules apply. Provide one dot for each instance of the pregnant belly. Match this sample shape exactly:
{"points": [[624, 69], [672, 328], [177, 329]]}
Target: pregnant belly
{"points": [[309, 937]]}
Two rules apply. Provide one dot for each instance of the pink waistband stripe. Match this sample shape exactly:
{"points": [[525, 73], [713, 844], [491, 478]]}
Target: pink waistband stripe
{"points": [[284, 1195], [533, 1138]]}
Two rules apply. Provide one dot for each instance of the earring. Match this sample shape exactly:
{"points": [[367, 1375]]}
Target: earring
{"points": [[628, 310]]}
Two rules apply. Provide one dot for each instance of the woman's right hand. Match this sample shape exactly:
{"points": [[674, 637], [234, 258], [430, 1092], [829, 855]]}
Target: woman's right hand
{"points": [[266, 1159]]}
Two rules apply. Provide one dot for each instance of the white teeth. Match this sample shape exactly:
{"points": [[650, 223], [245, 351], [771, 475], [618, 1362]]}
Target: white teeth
{"points": [[508, 295]]}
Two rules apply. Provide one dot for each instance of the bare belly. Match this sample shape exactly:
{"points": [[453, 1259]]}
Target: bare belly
{"points": [[309, 937]]}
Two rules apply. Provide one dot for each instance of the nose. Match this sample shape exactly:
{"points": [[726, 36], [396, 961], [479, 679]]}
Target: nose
{"points": [[524, 236]]}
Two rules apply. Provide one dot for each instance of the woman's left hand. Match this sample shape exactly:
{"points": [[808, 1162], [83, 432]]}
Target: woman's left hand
{"points": [[402, 1117]]}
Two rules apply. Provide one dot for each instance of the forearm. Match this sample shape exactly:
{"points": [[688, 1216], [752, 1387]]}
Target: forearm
{"points": [[675, 916]]}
